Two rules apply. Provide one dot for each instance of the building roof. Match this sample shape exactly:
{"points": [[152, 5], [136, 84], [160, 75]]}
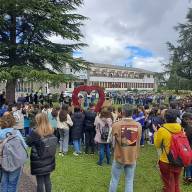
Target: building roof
{"points": [[99, 65]]}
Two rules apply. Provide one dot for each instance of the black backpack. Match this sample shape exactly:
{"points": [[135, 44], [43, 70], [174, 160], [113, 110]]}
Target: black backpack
{"points": [[48, 147]]}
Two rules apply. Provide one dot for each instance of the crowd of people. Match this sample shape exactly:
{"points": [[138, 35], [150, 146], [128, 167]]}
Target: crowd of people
{"points": [[118, 131]]}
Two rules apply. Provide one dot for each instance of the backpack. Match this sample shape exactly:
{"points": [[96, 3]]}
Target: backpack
{"points": [[180, 153], [48, 147], [13, 153], [104, 131]]}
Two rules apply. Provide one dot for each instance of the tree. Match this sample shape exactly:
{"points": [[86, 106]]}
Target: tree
{"points": [[181, 54], [26, 50]]}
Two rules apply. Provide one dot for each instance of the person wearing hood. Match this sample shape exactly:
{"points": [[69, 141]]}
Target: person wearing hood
{"points": [[77, 129], [169, 173], [103, 126]]}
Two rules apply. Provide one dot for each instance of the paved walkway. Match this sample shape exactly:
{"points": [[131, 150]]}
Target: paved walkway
{"points": [[27, 182]]}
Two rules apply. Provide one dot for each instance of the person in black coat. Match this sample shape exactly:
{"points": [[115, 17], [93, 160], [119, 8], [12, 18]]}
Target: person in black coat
{"points": [[89, 129], [43, 151], [77, 129]]}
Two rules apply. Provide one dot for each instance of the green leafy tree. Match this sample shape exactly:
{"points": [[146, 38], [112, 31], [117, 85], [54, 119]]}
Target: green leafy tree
{"points": [[26, 50], [181, 54]]}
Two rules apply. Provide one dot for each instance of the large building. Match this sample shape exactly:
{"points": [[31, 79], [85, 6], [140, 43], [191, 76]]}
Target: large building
{"points": [[110, 77], [113, 77]]}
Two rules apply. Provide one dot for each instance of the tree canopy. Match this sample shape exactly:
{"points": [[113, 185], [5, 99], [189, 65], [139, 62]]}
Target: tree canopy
{"points": [[181, 53], [26, 50]]}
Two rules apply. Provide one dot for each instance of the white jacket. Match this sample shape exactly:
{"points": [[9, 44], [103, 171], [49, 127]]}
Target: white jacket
{"points": [[66, 124]]}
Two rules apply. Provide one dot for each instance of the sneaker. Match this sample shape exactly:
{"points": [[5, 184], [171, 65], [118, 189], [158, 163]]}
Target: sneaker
{"points": [[98, 163], [60, 153], [76, 154], [142, 145]]}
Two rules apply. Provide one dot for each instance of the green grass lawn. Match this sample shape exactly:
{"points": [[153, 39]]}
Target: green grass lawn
{"points": [[81, 174]]}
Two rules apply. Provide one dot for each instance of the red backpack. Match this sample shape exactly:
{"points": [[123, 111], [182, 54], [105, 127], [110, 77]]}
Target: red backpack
{"points": [[180, 153]]}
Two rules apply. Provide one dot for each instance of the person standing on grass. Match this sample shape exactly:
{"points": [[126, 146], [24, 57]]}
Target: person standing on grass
{"points": [[127, 135], [89, 128], [9, 180], [187, 126], [162, 139], [44, 144], [64, 123], [103, 126], [77, 129]]}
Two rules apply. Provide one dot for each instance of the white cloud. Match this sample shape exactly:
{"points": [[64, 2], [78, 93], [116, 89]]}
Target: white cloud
{"points": [[151, 64], [113, 25]]}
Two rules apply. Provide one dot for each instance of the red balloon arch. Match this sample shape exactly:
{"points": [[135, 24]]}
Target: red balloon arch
{"points": [[89, 89]]}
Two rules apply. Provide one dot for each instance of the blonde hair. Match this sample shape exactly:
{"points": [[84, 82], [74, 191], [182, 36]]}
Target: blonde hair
{"points": [[43, 127]]}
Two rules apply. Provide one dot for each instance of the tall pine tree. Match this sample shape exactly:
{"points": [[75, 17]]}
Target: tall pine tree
{"points": [[181, 54], [26, 50]]}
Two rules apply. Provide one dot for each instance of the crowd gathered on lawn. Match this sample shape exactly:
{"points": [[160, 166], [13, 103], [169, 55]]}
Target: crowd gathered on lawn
{"points": [[125, 123]]}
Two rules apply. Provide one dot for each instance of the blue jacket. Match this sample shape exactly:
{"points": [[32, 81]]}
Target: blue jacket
{"points": [[3, 133], [52, 120], [139, 118], [26, 122]]}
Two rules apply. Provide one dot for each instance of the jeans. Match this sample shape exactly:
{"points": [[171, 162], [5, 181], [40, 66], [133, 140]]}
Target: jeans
{"points": [[170, 175], [10, 181], [77, 145], [116, 173], [64, 140], [43, 183], [27, 131], [104, 148], [188, 171]]}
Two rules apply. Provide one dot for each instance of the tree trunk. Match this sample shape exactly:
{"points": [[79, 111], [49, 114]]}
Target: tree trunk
{"points": [[10, 91]]}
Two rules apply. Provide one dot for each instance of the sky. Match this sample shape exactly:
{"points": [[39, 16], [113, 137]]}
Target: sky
{"points": [[131, 32]]}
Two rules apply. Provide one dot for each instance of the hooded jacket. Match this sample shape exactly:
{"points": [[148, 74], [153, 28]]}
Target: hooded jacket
{"points": [[163, 137]]}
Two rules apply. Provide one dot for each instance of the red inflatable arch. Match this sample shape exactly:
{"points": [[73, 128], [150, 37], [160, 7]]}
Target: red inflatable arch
{"points": [[88, 89]]}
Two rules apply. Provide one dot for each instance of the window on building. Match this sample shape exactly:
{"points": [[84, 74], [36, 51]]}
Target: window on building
{"points": [[70, 85]]}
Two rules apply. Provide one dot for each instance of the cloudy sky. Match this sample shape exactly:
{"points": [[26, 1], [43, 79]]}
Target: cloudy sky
{"points": [[131, 32]]}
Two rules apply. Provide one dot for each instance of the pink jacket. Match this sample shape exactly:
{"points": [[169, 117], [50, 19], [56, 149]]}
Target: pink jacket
{"points": [[99, 124]]}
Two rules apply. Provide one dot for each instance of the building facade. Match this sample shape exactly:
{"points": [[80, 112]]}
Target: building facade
{"points": [[112, 77]]}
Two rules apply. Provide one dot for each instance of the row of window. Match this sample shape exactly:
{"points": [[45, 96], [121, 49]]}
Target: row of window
{"points": [[122, 75], [124, 85]]}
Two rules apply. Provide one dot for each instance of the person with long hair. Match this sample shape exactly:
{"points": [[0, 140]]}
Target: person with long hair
{"points": [[103, 126], [64, 122], [43, 143]]}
